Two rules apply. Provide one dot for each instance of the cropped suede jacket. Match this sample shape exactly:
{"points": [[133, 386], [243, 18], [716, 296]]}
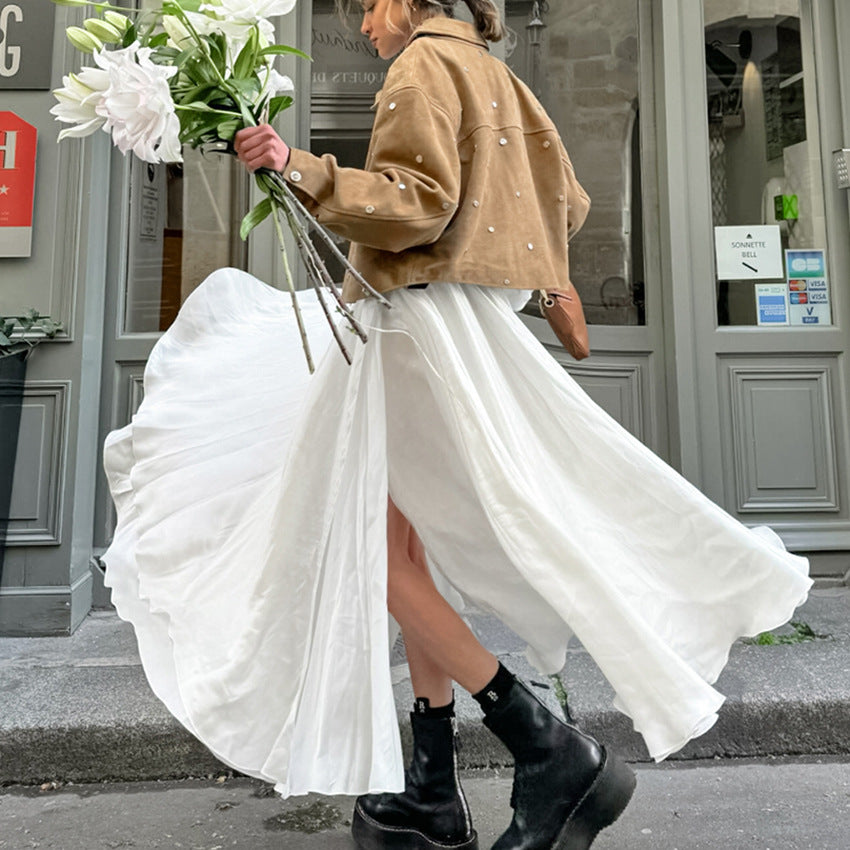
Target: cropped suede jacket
{"points": [[466, 178]]}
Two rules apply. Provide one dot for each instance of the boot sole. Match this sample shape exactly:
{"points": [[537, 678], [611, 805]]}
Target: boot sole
{"points": [[368, 834], [603, 803]]}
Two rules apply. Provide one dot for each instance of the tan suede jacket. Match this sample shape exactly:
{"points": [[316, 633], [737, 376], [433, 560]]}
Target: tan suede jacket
{"points": [[466, 178]]}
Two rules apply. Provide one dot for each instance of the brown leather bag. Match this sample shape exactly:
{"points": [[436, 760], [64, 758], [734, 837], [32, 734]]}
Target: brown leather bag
{"points": [[562, 309]]}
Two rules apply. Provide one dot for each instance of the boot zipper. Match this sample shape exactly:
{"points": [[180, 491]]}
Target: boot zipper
{"points": [[464, 806]]}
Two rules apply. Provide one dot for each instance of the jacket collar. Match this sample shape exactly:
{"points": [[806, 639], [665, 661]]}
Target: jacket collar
{"points": [[445, 27]]}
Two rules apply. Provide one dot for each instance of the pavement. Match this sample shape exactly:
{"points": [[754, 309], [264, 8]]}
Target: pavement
{"points": [[773, 804], [78, 709]]}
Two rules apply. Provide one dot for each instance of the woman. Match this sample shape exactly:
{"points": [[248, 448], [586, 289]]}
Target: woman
{"points": [[257, 553]]}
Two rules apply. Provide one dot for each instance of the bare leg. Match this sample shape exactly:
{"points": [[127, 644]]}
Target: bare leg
{"points": [[440, 646]]}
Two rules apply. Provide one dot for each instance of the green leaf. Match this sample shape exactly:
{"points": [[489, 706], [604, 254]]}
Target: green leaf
{"points": [[165, 55], [218, 50], [227, 129], [277, 105], [282, 49], [248, 87], [192, 131], [243, 67], [203, 93], [260, 213], [129, 36], [159, 40]]}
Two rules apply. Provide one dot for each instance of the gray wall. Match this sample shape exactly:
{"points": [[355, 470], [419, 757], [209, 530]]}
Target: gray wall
{"points": [[46, 582]]}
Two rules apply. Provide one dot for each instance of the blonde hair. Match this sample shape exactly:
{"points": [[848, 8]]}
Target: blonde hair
{"points": [[484, 13]]}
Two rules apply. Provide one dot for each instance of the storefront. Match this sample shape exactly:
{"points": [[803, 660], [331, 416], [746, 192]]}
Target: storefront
{"points": [[714, 266]]}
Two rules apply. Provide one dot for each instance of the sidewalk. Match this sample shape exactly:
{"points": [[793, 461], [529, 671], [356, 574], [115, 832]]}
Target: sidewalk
{"points": [[79, 709]]}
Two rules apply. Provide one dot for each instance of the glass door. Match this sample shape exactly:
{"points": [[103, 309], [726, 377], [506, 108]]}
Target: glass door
{"points": [[769, 263], [592, 70], [170, 226]]}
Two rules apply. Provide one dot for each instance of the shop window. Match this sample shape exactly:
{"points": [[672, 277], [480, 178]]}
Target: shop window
{"points": [[582, 63], [766, 184], [584, 70], [184, 224]]}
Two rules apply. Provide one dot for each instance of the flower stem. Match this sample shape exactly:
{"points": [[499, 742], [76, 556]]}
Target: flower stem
{"points": [[276, 207], [190, 108], [184, 19]]}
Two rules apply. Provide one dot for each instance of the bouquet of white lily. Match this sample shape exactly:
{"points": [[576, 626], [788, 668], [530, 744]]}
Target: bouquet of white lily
{"points": [[195, 73]]}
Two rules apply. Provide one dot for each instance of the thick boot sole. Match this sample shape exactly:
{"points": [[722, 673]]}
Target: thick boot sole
{"points": [[368, 834], [603, 803]]}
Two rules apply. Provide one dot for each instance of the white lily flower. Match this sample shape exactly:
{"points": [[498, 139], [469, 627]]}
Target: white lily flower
{"points": [[278, 83], [274, 83], [137, 106], [250, 11], [78, 100]]}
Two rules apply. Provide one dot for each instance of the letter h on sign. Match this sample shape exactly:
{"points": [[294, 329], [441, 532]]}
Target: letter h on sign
{"points": [[7, 148]]}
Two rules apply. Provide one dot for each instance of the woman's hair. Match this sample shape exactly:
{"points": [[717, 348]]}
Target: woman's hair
{"points": [[484, 13]]}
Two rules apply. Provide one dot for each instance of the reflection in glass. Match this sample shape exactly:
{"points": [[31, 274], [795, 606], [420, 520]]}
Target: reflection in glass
{"points": [[580, 59], [184, 224], [763, 134], [583, 65]]}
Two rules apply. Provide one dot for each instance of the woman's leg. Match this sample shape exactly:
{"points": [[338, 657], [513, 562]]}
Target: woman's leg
{"points": [[440, 646], [431, 813]]}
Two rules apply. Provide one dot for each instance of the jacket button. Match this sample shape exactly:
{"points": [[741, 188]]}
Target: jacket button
{"points": [[419, 157], [495, 104], [530, 246], [370, 209], [446, 205], [561, 199], [518, 194], [295, 176], [402, 186], [475, 204], [491, 229], [507, 281], [546, 143], [503, 141], [391, 106]]}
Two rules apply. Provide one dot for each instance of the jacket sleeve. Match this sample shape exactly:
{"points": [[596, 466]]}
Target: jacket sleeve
{"points": [[410, 188], [578, 201]]}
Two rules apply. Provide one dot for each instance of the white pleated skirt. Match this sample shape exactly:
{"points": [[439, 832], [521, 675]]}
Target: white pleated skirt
{"points": [[250, 551]]}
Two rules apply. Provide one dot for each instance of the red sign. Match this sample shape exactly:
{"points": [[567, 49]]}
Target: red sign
{"points": [[17, 184]]}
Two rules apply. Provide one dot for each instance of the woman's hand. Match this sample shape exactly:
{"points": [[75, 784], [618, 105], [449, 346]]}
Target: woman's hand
{"points": [[261, 147]]}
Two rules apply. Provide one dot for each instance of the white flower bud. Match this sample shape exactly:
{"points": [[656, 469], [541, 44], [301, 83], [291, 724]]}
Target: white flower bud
{"points": [[180, 37], [84, 41], [107, 33], [119, 21]]}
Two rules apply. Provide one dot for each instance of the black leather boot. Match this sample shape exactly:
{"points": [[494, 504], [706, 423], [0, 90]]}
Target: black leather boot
{"points": [[566, 786], [431, 813]]}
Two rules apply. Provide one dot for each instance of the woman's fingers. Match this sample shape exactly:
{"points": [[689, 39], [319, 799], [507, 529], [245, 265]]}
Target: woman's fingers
{"points": [[261, 147]]}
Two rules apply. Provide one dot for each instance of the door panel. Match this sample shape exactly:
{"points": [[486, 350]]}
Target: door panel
{"points": [[770, 405]]}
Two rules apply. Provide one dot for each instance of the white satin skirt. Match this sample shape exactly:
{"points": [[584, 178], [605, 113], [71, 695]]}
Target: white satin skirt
{"points": [[250, 551]]}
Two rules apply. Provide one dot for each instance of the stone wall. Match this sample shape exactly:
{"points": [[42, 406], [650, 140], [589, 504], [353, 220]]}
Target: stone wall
{"points": [[590, 88]]}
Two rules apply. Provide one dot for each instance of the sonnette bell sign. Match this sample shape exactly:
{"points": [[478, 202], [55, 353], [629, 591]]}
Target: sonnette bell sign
{"points": [[17, 183], [26, 44]]}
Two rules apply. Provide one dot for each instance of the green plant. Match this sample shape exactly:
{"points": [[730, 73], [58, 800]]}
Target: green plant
{"points": [[801, 633], [17, 333]]}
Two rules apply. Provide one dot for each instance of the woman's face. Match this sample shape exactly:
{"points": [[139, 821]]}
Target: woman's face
{"points": [[386, 25]]}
